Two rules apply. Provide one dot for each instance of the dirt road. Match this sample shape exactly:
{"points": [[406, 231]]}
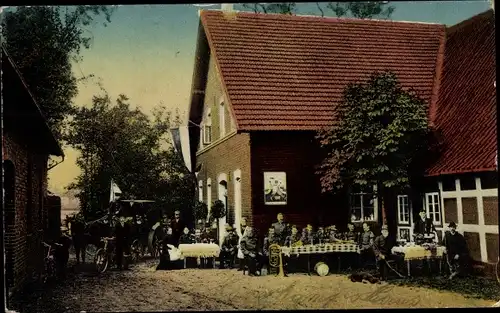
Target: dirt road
{"points": [[144, 289]]}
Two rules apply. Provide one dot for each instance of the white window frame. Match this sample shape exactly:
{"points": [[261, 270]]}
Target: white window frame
{"points": [[209, 197], [375, 204], [410, 231], [200, 190], [401, 212], [430, 207], [222, 118], [207, 128]]}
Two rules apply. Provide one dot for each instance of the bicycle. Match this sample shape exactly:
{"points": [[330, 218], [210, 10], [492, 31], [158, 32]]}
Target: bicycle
{"points": [[105, 255], [49, 262]]}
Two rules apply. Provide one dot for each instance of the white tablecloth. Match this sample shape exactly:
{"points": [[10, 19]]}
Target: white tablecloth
{"points": [[319, 249], [419, 252], [199, 250]]}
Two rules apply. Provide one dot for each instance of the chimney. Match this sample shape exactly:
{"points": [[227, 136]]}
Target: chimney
{"points": [[226, 7]]}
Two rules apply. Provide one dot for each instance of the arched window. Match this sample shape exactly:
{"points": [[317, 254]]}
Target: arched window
{"points": [[200, 191], [207, 127], [222, 119], [209, 196]]}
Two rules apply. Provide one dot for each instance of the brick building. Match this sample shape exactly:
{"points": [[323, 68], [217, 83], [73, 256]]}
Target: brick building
{"points": [[264, 84], [27, 143]]}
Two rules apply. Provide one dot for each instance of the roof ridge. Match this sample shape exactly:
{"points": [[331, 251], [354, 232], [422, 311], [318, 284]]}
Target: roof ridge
{"points": [[316, 17], [470, 20]]}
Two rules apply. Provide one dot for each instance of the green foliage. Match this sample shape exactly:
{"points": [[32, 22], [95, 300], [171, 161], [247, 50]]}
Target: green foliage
{"points": [[121, 143], [381, 130], [362, 10], [44, 41], [200, 211], [218, 210], [281, 8]]}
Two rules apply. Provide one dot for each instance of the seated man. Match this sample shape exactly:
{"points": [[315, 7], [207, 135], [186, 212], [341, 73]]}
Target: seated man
{"points": [[333, 235], [228, 248], [321, 236], [308, 235], [382, 247], [186, 237], [351, 235], [249, 247], [293, 239], [457, 253], [207, 236]]}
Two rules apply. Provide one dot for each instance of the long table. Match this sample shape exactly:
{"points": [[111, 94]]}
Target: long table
{"points": [[320, 249], [199, 250], [417, 252]]}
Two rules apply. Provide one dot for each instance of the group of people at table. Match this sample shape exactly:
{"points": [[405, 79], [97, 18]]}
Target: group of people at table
{"points": [[243, 244]]}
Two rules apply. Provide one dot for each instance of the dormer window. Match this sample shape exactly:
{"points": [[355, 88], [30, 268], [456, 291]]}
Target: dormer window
{"points": [[207, 128], [222, 119]]}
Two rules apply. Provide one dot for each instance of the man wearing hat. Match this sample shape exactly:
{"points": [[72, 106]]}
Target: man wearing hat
{"points": [[228, 248], [178, 226], [382, 246], [281, 229], [456, 250]]}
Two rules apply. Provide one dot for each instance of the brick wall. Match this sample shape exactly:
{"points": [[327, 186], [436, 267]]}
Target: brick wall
{"points": [[214, 94], [226, 157], [23, 237], [296, 154]]}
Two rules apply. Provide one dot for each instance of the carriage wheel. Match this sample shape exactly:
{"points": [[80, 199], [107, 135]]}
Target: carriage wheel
{"points": [[137, 250], [101, 261]]}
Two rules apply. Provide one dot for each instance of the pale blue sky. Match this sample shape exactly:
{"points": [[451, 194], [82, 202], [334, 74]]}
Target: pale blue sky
{"points": [[137, 54]]}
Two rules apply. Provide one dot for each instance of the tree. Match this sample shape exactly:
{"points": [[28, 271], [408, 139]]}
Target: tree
{"points": [[44, 41], [200, 211], [124, 144], [281, 8], [361, 10], [380, 135]]}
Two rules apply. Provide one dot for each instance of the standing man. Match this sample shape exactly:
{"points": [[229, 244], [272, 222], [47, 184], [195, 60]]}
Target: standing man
{"points": [[382, 247], [77, 230], [178, 226], [241, 257], [424, 226], [366, 242], [457, 252], [281, 229]]}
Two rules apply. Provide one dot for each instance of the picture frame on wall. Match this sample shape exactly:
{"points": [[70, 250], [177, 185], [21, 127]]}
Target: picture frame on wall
{"points": [[275, 190]]}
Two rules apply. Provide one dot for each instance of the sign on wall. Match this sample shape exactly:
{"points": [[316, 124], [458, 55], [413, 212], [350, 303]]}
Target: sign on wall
{"points": [[275, 192]]}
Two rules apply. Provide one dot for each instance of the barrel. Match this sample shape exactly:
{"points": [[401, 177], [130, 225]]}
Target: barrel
{"points": [[321, 268]]}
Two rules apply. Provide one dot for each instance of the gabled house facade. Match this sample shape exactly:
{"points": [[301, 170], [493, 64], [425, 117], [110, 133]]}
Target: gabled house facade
{"points": [[272, 81], [462, 184], [27, 143]]}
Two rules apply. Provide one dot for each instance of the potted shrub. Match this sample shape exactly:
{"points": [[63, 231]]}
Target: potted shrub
{"points": [[217, 212]]}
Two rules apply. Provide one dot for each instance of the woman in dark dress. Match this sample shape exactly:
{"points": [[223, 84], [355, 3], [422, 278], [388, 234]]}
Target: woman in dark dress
{"points": [[165, 263]]}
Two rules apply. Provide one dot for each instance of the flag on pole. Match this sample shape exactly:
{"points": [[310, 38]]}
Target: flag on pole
{"points": [[115, 192], [180, 139]]}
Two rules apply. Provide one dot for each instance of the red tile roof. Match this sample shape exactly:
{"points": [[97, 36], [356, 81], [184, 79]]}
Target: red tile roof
{"points": [[466, 112], [286, 72]]}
